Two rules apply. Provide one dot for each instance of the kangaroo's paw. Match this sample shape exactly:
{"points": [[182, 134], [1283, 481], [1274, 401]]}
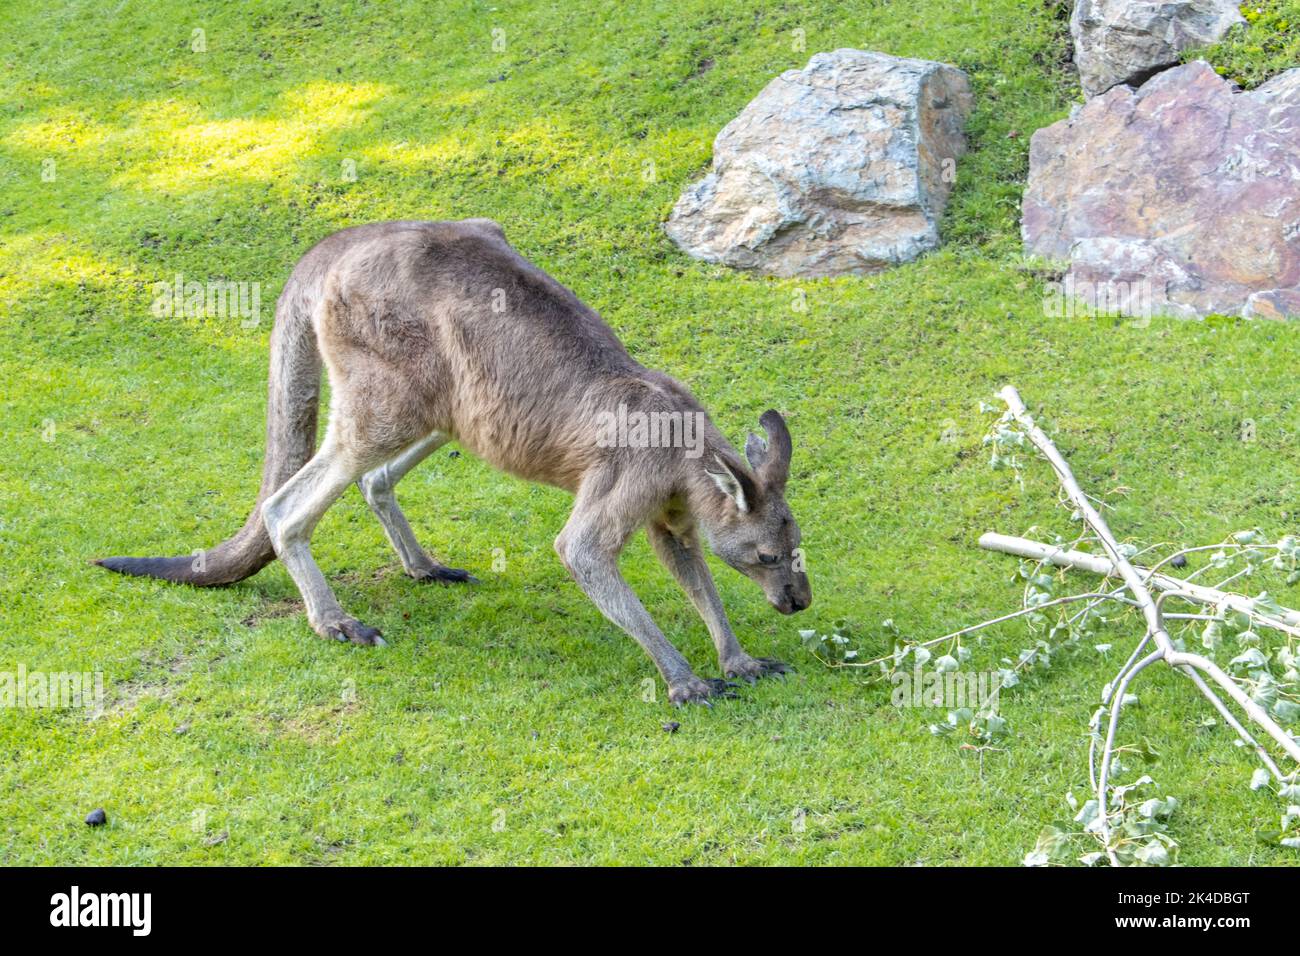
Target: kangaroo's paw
{"points": [[445, 575], [350, 629], [694, 690], [752, 668]]}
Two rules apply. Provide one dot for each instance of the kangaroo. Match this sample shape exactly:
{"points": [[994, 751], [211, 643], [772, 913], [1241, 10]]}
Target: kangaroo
{"points": [[439, 331]]}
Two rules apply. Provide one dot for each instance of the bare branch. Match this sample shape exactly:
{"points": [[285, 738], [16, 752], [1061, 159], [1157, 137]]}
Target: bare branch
{"points": [[1140, 584]]}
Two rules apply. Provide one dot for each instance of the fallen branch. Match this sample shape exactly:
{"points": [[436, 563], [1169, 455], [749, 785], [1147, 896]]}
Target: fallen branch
{"points": [[1289, 622], [955, 635], [1139, 586], [1170, 587]]}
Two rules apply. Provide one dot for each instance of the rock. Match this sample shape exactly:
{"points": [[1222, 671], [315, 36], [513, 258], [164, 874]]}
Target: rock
{"points": [[843, 167], [1127, 41], [1186, 191], [96, 817], [1274, 304]]}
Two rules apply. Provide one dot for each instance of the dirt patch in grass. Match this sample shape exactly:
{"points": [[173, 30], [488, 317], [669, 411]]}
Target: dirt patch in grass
{"points": [[319, 724], [274, 608], [270, 610], [130, 694]]}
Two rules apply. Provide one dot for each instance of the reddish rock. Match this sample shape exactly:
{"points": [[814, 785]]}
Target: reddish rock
{"points": [[1186, 183]]}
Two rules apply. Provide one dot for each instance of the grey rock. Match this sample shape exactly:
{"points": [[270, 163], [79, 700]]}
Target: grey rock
{"points": [[843, 167], [1127, 41]]}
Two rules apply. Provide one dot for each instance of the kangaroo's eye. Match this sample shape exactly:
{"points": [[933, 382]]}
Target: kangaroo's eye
{"points": [[767, 558]]}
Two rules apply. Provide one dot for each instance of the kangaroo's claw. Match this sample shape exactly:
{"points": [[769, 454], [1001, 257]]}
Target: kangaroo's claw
{"points": [[445, 575], [350, 629], [750, 669], [699, 691]]}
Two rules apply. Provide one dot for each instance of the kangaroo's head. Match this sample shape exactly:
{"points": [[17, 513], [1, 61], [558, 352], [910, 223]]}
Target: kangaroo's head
{"points": [[751, 527]]}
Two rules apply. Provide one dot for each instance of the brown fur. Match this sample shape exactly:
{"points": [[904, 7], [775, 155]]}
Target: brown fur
{"points": [[432, 331]]}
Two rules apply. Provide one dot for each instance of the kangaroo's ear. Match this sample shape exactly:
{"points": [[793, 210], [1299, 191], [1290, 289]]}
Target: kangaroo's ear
{"points": [[733, 483], [755, 451], [775, 467]]}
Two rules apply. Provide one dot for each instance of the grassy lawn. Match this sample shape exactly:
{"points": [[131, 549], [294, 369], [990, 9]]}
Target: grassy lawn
{"points": [[506, 723]]}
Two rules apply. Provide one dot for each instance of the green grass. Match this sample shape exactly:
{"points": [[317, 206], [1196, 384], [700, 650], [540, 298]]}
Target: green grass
{"points": [[1265, 45], [127, 433]]}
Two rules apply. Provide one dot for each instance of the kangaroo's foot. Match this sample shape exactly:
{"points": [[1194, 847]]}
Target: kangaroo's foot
{"points": [[290, 515], [350, 629], [752, 668], [443, 574], [695, 690]]}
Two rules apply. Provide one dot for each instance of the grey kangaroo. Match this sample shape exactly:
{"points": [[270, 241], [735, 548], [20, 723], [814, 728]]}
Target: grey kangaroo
{"points": [[434, 331]]}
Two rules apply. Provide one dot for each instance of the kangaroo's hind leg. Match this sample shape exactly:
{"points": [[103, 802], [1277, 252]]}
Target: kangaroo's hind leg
{"points": [[291, 514], [378, 487]]}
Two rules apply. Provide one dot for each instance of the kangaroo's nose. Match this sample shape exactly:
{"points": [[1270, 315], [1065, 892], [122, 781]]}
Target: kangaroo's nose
{"points": [[795, 603]]}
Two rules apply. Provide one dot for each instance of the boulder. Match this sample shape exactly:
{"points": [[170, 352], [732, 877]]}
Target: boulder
{"points": [[1187, 184], [1127, 41], [843, 167]]}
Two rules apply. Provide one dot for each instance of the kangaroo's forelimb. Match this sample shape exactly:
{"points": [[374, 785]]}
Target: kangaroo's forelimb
{"points": [[679, 551], [589, 547]]}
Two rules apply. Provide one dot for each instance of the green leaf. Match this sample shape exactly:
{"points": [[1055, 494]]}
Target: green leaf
{"points": [[1087, 814], [1052, 846], [995, 725], [1153, 854], [1251, 659], [1147, 751], [1286, 710]]}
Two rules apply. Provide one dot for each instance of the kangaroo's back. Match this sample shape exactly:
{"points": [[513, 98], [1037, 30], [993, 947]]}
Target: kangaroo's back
{"points": [[491, 350]]}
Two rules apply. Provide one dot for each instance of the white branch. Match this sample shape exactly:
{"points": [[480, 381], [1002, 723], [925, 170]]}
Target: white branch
{"points": [[1097, 564], [1265, 757], [1090, 515], [1139, 586], [1288, 622]]}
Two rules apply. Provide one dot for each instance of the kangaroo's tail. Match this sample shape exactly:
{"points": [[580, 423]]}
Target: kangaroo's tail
{"points": [[290, 441]]}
